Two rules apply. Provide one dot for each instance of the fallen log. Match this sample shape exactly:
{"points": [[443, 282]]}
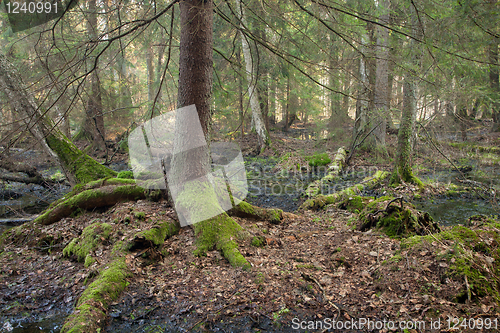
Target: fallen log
{"points": [[321, 201], [334, 170]]}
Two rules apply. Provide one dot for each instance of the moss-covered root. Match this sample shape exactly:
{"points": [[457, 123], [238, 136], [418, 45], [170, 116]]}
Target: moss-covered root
{"points": [[100, 197], [400, 175], [321, 201], [156, 235], [244, 209], [90, 312], [82, 246], [220, 232]]}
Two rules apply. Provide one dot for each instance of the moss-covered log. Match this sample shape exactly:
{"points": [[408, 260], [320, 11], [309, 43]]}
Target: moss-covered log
{"points": [[244, 209], [93, 198], [334, 170], [321, 201], [78, 166]]}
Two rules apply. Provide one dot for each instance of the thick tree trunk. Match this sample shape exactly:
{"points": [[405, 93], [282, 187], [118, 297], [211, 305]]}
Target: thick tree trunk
{"points": [[257, 119], [77, 166], [190, 168]]}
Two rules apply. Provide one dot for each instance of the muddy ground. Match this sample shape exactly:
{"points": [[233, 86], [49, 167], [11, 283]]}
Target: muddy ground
{"points": [[314, 268]]}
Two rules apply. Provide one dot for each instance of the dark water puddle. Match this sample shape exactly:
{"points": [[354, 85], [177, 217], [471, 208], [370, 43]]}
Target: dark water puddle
{"points": [[49, 325], [452, 211]]}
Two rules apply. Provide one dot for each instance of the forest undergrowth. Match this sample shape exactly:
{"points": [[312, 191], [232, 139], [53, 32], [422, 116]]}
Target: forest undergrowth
{"points": [[311, 266]]}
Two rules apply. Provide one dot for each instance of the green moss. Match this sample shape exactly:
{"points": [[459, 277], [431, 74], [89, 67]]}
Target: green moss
{"points": [[322, 200], [318, 159], [140, 216], [82, 166], [90, 310], [473, 253], [90, 238], [89, 260], [217, 231], [394, 220], [258, 241], [247, 210], [125, 175], [353, 204], [157, 234]]}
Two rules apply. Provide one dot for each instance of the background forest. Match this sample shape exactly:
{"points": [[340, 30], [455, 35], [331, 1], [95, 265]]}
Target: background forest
{"points": [[112, 65]]}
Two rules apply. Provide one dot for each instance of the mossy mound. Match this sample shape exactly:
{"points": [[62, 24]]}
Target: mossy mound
{"points": [[125, 175], [318, 159], [91, 237], [471, 253], [394, 217]]}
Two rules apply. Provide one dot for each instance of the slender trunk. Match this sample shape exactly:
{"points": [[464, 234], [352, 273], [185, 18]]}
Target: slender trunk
{"points": [[363, 99], [494, 82], [151, 90], [240, 100], [403, 166], [287, 104], [257, 120], [379, 117], [93, 124]]}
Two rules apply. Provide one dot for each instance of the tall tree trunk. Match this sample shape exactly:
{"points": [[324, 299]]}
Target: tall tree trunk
{"points": [[257, 120], [379, 116], [403, 166], [190, 168], [361, 120], [93, 123], [241, 108], [494, 81], [77, 166], [151, 79]]}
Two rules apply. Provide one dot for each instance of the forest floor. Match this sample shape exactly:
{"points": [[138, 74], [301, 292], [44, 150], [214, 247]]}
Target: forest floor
{"points": [[314, 270]]}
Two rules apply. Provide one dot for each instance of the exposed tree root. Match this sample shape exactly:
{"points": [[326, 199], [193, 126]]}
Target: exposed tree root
{"points": [[244, 209], [93, 198], [90, 311]]}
